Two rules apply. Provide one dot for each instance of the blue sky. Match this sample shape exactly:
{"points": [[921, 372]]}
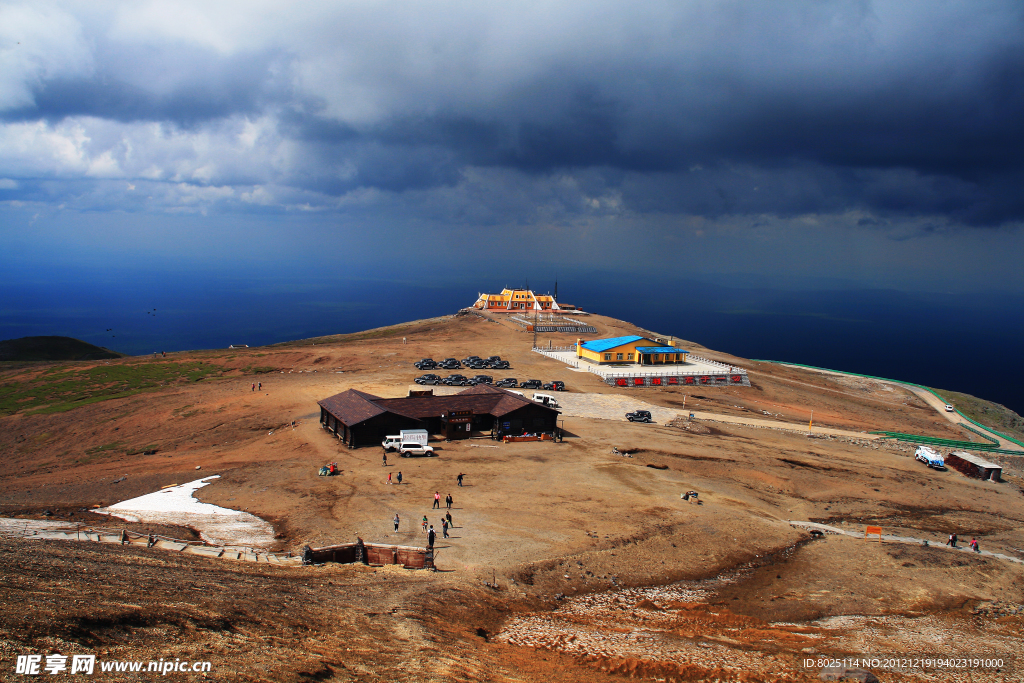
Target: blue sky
{"points": [[875, 144]]}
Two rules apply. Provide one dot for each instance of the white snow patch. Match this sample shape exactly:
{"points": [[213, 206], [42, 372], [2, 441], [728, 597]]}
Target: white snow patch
{"points": [[175, 505]]}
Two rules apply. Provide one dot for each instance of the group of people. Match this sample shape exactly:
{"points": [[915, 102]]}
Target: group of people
{"points": [[953, 541], [397, 478], [446, 521], [448, 500]]}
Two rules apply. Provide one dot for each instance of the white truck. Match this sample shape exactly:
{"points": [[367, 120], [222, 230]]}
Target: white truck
{"points": [[546, 399], [393, 443], [930, 457]]}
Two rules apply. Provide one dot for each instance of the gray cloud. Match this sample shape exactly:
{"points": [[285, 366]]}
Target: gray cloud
{"points": [[700, 108]]}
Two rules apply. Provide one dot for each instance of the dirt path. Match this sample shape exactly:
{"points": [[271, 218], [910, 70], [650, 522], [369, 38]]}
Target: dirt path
{"points": [[613, 407], [903, 539], [928, 397]]}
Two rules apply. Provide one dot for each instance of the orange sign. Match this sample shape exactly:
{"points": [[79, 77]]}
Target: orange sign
{"points": [[873, 530]]}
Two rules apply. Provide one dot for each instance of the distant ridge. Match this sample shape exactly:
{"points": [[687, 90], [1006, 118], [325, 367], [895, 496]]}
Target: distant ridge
{"points": [[52, 348]]}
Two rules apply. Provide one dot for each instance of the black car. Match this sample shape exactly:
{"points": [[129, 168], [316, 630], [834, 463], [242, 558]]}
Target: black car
{"points": [[507, 383], [500, 365], [428, 379], [478, 364], [470, 359], [483, 379], [531, 384], [449, 364], [455, 380], [556, 385], [491, 359], [639, 416], [426, 364]]}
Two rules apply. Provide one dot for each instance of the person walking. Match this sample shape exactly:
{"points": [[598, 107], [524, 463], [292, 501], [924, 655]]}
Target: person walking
{"points": [[431, 535], [385, 458], [448, 501], [396, 521], [259, 385], [448, 518], [437, 500], [461, 475], [424, 524], [399, 477], [254, 386], [952, 540], [444, 528], [389, 477], [974, 545]]}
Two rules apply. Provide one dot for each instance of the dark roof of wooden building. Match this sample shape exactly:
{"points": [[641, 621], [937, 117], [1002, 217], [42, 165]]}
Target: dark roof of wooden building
{"points": [[353, 407]]}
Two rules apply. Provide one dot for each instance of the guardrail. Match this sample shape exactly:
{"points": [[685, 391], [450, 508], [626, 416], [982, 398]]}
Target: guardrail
{"points": [[898, 381], [947, 443], [47, 530]]}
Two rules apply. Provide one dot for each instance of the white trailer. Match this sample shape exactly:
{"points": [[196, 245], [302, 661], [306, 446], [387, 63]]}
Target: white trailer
{"points": [[392, 443]]}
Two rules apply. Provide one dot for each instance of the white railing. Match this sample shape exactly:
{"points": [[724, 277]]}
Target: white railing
{"points": [[552, 353], [729, 368]]}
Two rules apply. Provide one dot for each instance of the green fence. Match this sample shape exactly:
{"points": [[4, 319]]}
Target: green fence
{"points": [[917, 438], [947, 443]]}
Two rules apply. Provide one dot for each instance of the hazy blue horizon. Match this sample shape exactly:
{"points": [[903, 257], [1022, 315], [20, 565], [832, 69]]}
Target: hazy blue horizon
{"points": [[902, 335]]}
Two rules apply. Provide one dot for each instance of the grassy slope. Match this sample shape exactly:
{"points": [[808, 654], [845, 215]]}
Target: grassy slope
{"points": [[993, 415], [61, 388]]}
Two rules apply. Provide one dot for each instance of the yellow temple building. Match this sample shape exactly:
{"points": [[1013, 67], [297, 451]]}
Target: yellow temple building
{"points": [[520, 301]]}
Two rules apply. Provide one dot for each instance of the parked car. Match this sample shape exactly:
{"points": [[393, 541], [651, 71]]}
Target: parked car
{"points": [[449, 364], [500, 365], [639, 416], [546, 399], [508, 382], [426, 364], [478, 364], [411, 448], [455, 380], [531, 384], [493, 359], [469, 359], [428, 379], [483, 379], [555, 385]]}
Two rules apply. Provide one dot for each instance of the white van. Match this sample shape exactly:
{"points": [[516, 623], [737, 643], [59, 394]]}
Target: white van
{"points": [[393, 443], [546, 399]]}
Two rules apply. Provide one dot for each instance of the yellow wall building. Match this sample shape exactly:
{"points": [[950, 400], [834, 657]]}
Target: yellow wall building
{"points": [[631, 349], [518, 301]]}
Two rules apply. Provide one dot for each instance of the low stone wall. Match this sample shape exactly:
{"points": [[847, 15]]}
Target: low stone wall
{"points": [[409, 557], [738, 378]]}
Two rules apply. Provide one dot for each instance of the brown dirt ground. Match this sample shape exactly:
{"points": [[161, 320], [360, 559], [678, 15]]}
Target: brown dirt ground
{"points": [[543, 519]]}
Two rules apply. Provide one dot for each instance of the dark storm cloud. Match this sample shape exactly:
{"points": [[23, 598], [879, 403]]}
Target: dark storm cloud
{"points": [[151, 84], [708, 108]]}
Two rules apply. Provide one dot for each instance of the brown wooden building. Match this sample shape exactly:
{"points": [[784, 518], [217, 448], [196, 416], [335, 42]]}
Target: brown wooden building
{"points": [[361, 419]]}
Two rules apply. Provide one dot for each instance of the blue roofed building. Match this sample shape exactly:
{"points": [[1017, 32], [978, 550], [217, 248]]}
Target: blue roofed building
{"points": [[629, 349]]}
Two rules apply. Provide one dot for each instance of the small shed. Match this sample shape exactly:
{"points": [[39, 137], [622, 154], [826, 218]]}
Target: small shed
{"points": [[975, 466]]}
